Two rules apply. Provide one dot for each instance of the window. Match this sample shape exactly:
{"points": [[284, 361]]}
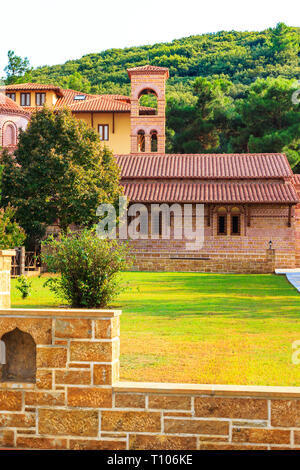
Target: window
{"points": [[79, 97], [40, 99], [25, 99], [235, 225], [222, 225], [153, 135], [12, 96], [141, 141], [103, 131]]}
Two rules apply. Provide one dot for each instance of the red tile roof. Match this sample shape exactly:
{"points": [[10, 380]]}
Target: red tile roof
{"points": [[8, 106], [66, 98], [204, 192], [148, 69], [99, 104], [34, 86], [296, 180], [204, 166]]}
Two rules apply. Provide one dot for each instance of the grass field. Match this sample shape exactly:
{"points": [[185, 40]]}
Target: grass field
{"points": [[202, 328]]}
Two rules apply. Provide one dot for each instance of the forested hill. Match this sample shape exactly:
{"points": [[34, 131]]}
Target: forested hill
{"points": [[240, 57]]}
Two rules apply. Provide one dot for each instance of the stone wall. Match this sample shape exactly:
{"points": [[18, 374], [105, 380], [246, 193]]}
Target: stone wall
{"points": [[5, 266], [245, 253], [78, 402]]}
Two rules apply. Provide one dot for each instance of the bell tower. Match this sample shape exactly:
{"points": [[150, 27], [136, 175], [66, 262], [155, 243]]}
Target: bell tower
{"points": [[147, 123]]}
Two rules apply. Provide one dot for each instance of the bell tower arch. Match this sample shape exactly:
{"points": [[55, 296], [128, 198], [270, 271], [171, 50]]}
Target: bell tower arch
{"points": [[148, 124]]}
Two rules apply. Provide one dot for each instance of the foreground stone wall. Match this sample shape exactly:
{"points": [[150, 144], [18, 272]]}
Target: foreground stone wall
{"points": [[78, 402], [5, 267]]}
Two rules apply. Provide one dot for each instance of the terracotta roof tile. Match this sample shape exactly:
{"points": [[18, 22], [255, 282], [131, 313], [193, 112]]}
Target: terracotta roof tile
{"points": [[204, 166], [296, 180], [34, 86], [100, 104], [9, 106], [145, 69], [96, 103], [204, 192]]}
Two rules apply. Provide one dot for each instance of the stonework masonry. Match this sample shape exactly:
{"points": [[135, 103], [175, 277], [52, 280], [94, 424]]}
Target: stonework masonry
{"points": [[78, 402], [248, 252], [154, 81], [5, 265]]}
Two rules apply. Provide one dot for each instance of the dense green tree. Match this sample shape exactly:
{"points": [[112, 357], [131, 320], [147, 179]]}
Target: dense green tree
{"points": [[60, 172], [197, 125], [16, 68], [284, 44], [269, 121], [241, 56], [11, 234]]}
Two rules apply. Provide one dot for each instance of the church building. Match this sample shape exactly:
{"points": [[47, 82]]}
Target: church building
{"points": [[251, 201]]}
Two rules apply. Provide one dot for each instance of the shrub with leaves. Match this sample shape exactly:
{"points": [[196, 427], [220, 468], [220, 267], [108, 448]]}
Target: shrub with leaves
{"points": [[89, 267], [11, 234], [24, 286]]}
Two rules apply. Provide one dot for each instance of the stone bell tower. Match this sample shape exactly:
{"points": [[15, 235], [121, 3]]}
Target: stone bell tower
{"points": [[148, 125]]}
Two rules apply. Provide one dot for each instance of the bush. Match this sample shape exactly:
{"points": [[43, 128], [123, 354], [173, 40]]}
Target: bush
{"points": [[89, 268], [24, 286], [11, 234]]}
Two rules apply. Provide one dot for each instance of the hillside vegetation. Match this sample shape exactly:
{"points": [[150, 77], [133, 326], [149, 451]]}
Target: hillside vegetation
{"points": [[238, 56], [227, 92]]}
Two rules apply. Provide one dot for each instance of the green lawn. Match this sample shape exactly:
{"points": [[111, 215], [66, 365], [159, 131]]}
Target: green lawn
{"points": [[204, 328]]}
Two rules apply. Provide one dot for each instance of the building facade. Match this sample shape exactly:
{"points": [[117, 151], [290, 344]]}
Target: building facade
{"points": [[250, 202], [12, 119]]}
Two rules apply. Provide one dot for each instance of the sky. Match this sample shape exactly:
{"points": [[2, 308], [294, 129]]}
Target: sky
{"points": [[53, 32]]}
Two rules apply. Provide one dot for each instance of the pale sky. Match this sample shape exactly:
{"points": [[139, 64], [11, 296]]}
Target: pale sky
{"points": [[53, 32]]}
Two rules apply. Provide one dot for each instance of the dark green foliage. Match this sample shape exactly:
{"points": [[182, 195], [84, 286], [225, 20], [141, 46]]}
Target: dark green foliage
{"points": [[11, 234], [16, 68], [89, 268], [60, 172], [24, 286], [268, 120], [241, 56]]}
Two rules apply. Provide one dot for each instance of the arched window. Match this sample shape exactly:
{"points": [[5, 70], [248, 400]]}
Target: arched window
{"points": [[141, 141], [153, 135], [20, 360], [147, 102], [9, 136], [222, 221], [235, 218]]}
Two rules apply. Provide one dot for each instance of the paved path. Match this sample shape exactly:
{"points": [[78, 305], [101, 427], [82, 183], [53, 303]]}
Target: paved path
{"points": [[294, 279], [292, 275]]}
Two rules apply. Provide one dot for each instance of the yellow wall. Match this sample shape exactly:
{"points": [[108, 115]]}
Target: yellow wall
{"points": [[51, 97], [119, 141]]}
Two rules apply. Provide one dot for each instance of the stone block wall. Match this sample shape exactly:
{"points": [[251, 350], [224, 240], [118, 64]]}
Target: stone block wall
{"points": [[76, 400], [245, 253], [5, 267], [77, 360]]}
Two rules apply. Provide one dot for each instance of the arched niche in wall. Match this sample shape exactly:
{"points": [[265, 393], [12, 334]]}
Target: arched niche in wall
{"points": [[153, 140], [20, 360], [9, 134], [141, 144]]}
